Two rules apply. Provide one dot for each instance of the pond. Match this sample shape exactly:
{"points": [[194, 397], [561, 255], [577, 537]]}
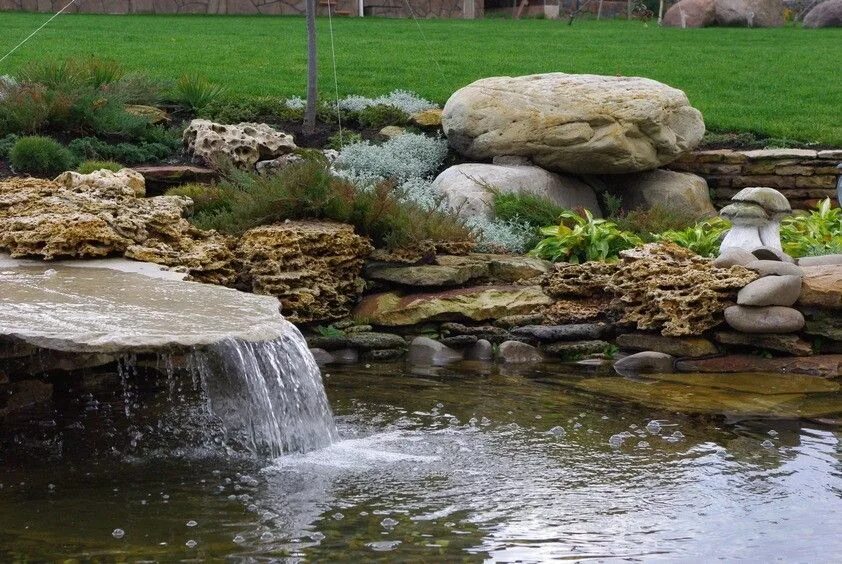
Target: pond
{"points": [[468, 463]]}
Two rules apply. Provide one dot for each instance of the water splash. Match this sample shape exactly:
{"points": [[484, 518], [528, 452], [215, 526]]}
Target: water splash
{"points": [[268, 395]]}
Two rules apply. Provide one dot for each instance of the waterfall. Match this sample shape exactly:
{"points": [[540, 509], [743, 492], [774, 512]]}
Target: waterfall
{"points": [[267, 395]]}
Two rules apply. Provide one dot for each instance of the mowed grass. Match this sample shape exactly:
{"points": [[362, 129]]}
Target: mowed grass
{"points": [[784, 83]]}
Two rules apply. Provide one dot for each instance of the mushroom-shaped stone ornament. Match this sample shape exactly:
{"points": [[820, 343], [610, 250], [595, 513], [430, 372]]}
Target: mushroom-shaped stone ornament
{"points": [[756, 217]]}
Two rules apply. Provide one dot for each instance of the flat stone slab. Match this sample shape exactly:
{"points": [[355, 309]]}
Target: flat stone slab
{"points": [[675, 346], [88, 309], [822, 287], [792, 344], [826, 366]]}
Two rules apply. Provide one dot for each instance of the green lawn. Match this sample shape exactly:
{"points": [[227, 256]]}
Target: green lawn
{"points": [[779, 82]]}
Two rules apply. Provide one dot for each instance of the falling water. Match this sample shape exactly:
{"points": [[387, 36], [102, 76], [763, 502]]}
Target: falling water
{"points": [[267, 395]]}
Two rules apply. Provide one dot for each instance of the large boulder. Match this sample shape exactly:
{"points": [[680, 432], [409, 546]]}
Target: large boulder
{"points": [[825, 14], [822, 287], [750, 13], [586, 124], [312, 267], [479, 303], [93, 216], [676, 192], [243, 144], [691, 13], [469, 188]]}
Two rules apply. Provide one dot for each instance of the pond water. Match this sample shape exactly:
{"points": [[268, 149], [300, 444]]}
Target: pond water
{"points": [[468, 463]]}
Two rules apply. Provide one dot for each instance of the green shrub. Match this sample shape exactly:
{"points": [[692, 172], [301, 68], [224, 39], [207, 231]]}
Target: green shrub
{"points": [[534, 210], [308, 190], [237, 110], [703, 238], [88, 167], [338, 142], [646, 224], [40, 156], [580, 238], [195, 91], [91, 148], [138, 88], [6, 144], [381, 115], [818, 232]]}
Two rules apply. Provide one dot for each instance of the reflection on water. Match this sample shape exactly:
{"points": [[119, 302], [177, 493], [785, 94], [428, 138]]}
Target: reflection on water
{"points": [[447, 465]]}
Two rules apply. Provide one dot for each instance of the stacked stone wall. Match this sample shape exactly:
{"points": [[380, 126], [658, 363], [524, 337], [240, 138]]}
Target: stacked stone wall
{"points": [[804, 176]]}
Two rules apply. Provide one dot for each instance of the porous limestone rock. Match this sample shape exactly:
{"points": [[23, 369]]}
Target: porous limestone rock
{"points": [[690, 13], [679, 193], [750, 13], [660, 287], [825, 14], [124, 182], [89, 216], [312, 267], [478, 303], [585, 124], [469, 188], [243, 144]]}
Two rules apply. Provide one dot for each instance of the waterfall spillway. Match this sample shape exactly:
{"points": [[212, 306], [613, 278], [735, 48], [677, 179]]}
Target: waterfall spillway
{"points": [[267, 395], [251, 367]]}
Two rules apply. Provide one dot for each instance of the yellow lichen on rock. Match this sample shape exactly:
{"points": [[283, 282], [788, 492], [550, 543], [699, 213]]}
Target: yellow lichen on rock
{"points": [[312, 267]]}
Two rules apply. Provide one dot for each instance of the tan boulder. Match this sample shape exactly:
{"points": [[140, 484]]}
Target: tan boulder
{"points": [[428, 118], [479, 303], [586, 124], [690, 13], [822, 287], [677, 192]]}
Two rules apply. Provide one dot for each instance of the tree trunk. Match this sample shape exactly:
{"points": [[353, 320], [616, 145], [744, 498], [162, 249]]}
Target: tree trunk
{"points": [[312, 71]]}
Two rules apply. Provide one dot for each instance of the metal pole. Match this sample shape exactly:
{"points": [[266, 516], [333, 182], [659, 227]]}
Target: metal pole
{"points": [[312, 70]]}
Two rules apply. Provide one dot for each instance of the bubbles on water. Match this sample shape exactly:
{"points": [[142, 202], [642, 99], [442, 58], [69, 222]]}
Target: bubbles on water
{"points": [[577, 426], [118, 533], [772, 433], [654, 427], [383, 546], [643, 444], [267, 537], [191, 523], [485, 421], [538, 417], [239, 539], [676, 437], [616, 441], [317, 536], [767, 444], [558, 431], [389, 523], [338, 516], [191, 544]]}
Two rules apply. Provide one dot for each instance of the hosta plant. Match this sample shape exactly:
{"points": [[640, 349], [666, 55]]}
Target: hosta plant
{"points": [[818, 232], [581, 238], [703, 238]]}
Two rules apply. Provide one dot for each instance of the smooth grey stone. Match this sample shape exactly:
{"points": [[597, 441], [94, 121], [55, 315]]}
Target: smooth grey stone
{"points": [[646, 362], [553, 333], [823, 260], [774, 268], [733, 256], [481, 350], [427, 352], [321, 356], [770, 319], [771, 291], [515, 352], [459, 340]]}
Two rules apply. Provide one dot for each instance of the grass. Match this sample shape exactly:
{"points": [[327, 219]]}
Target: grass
{"points": [[777, 82]]}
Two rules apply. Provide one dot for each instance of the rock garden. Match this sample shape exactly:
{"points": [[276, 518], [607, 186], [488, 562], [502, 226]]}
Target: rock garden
{"points": [[543, 218]]}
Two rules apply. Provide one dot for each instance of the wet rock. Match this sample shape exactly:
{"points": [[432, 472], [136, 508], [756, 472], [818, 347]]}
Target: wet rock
{"points": [[459, 341], [516, 352], [488, 332], [358, 329], [481, 350], [674, 346], [243, 144], [734, 256], [823, 323], [312, 267], [427, 352], [361, 341], [774, 268], [584, 124], [574, 350], [384, 355], [321, 356], [770, 319], [552, 333], [345, 356], [771, 291], [512, 321], [27, 394], [790, 344], [822, 287], [823, 260], [480, 303], [646, 362], [826, 366]]}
